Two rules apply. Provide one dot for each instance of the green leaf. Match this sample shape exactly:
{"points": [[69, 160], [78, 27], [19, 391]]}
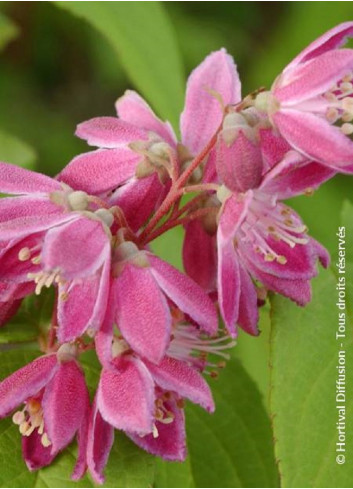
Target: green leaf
{"points": [[168, 246], [32, 319], [142, 35], [304, 357], [171, 474], [233, 447], [12, 150], [8, 30], [254, 354]]}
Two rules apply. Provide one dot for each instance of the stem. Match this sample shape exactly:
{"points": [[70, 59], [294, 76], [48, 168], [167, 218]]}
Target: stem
{"points": [[202, 187], [53, 324], [189, 205], [180, 222], [167, 203], [176, 191], [197, 160]]}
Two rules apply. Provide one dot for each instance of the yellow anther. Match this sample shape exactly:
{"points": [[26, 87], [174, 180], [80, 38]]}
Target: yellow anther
{"points": [[64, 296], [347, 128], [282, 260], [24, 428], [45, 440], [18, 417], [24, 254], [36, 260], [332, 115], [155, 431], [269, 257], [346, 86], [33, 406]]}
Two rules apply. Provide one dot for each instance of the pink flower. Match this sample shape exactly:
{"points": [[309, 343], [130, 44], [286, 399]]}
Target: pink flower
{"points": [[311, 102], [56, 407], [146, 400], [142, 289], [139, 153], [264, 240], [54, 235]]}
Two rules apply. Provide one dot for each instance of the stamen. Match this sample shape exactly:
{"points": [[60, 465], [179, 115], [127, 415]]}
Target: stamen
{"points": [[36, 260], [24, 254], [45, 279], [155, 432], [190, 346], [347, 128], [45, 440], [31, 419]]}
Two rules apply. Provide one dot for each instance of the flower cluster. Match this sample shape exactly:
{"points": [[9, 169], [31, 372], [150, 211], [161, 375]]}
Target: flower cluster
{"points": [[86, 233]]}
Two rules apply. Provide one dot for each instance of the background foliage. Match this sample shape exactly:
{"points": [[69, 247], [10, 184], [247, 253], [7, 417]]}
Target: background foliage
{"points": [[64, 62]]}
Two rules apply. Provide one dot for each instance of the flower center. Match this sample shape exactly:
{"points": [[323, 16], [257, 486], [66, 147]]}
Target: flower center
{"points": [[30, 419], [45, 279], [340, 104], [190, 346], [267, 219]]}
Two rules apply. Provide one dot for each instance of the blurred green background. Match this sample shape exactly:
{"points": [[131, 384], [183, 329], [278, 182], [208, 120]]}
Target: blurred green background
{"points": [[58, 70]]}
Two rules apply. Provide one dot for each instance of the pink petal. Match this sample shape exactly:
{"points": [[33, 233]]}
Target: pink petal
{"points": [[297, 290], [35, 454], [133, 109], [315, 77], [138, 199], [332, 39], [100, 442], [203, 113], [22, 216], [100, 171], [10, 291], [239, 164], [248, 310], [170, 443], [175, 375], [12, 208], [7, 310], [65, 402], [210, 172], [295, 175], [125, 396], [142, 312], [228, 283], [321, 253], [26, 382], [109, 132], [273, 148], [232, 215], [78, 248], [104, 337], [12, 268], [315, 138], [185, 293], [82, 440], [199, 255], [16, 180], [82, 305], [300, 263]]}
